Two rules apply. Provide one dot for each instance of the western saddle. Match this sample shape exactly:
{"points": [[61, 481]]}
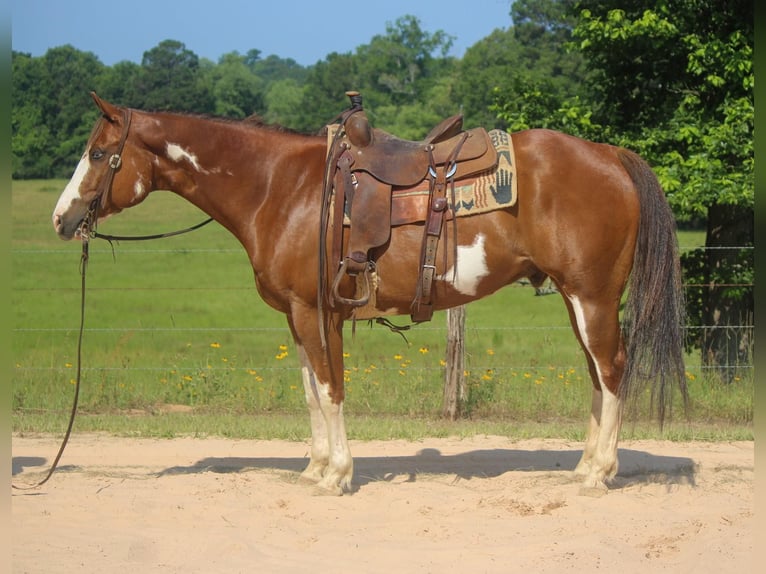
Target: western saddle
{"points": [[364, 166]]}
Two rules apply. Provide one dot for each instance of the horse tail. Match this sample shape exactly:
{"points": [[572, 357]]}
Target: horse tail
{"points": [[654, 311]]}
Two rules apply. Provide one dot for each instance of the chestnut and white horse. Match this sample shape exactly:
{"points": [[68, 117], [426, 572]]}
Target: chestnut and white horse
{"points": [[589, 216]]}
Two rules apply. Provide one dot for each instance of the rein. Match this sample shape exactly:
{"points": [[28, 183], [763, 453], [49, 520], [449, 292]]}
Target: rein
{"points": [[87, 231], [108, 237], [83, 266]]}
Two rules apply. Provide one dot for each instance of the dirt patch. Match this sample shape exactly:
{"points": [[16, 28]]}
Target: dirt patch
{"points": [[486, 504]]}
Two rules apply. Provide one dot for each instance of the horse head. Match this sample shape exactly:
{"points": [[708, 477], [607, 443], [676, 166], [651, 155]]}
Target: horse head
{"points": [[112, 174]]}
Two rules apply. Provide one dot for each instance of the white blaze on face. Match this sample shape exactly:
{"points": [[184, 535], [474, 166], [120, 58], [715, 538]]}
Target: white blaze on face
{"points": [[178, 154], [71, 192], [471, 267]]}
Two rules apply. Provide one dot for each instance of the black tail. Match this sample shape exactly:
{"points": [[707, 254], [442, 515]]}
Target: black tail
{"points": [[654, 311]]}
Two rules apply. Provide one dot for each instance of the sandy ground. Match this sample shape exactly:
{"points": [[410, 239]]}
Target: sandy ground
{"points": [[487, 504]]}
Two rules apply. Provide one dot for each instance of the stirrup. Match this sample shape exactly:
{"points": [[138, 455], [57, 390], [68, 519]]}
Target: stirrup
{"points": [[363, 300]]}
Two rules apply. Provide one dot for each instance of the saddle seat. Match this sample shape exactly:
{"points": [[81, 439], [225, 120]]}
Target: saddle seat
{"points": [[404, 163]]}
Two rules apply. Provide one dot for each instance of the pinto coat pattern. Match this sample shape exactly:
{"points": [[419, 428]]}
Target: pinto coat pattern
{"points": [[587, 216]]}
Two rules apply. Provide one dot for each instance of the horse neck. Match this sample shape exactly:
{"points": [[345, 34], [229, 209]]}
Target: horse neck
{"points": [[229, 169]]}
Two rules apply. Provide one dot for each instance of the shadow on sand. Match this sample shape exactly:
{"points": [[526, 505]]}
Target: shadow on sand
{"points": [[635, 466]]}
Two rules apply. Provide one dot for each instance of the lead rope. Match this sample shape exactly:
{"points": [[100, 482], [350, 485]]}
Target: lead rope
{"points": [[85, 234]]}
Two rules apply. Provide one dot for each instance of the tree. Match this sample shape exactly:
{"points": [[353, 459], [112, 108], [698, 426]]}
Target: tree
{"points": [[51, 110], [544, 81], [485, 67], [324, 91], [400, 64], [676, 80], [120, 83], [283, 100], [236, 91], [171, 79]]}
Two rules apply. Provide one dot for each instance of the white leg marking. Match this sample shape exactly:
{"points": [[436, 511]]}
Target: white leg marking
{"points": [[337, 478], [178, 154], [470, 268], [331, 465], [599, 460], [320, 446]]}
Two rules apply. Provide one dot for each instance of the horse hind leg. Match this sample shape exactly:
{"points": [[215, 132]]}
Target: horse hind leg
{"points": [[597, 328]]}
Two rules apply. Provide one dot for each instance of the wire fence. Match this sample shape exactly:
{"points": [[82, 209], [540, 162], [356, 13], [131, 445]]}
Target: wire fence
{"points": [[284, 333]]}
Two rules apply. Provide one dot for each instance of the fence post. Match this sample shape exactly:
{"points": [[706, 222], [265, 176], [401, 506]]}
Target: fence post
{"points": [[454, 372]]}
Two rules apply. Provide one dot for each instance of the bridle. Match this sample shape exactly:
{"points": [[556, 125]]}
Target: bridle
{"points": [[87, 230], [89, 223]]}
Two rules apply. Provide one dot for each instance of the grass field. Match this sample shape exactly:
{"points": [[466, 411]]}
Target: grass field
{"points": [[177, 341]]}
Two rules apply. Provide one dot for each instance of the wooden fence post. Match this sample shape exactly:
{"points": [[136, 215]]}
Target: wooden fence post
{"points": [[454, 373]]}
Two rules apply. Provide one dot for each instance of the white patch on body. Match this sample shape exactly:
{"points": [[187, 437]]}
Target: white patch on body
{"points": [[178, 154], [471, 267], [138, 189]]}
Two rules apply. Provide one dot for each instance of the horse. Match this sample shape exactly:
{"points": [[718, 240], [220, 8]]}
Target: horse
{"points": [[591, 218]]}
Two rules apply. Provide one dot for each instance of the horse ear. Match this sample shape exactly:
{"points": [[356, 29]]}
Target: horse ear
{"points": [[109, 111]]}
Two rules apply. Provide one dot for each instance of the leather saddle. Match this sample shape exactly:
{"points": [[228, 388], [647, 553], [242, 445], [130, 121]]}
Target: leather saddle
{"points": [[366, 164]]}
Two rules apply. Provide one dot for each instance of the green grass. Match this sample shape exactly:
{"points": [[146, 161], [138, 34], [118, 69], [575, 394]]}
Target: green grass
{"points": [[179, 322]]}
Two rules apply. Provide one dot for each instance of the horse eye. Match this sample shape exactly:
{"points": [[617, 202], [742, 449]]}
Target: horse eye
{"points": [[97, 154]]}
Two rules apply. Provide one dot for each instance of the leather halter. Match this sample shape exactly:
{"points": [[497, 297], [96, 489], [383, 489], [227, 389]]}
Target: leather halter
{"points": [[88, 226], [115, 160]]}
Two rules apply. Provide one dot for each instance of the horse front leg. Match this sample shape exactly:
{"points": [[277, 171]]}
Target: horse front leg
{"points": [[331, 465], [320, 446]]}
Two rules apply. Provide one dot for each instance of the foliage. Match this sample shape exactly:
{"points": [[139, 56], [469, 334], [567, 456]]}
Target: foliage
{"points": [[683, 97], [675, 80], [48, 107]]}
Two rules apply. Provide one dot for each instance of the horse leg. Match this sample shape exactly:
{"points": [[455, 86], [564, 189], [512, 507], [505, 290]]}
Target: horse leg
{"points": [[320, 446], [331, 465], [596, 324]]}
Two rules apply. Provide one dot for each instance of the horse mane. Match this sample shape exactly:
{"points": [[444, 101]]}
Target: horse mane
{"points": [[259, 122], [253, 120]]}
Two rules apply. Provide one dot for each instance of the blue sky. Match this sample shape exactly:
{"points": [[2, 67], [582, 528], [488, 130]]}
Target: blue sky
{"points": [[305, 30]]}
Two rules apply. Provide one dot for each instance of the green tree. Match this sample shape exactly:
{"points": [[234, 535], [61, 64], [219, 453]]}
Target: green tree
{"points": [[171, 80], [486, 66], [544, 80], [237, 92], [324, 91], [51, 111], [675, 79], [120, 83], [283, 100], [398, 67], [274, 69]]}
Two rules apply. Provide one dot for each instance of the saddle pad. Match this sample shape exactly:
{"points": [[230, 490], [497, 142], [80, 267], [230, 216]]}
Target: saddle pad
{"points": [[493, 189]]}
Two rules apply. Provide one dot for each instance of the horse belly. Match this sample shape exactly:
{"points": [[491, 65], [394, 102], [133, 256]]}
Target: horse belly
{"points": [[482, 263]]}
